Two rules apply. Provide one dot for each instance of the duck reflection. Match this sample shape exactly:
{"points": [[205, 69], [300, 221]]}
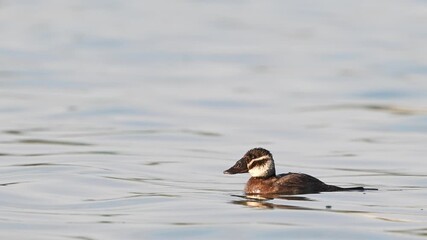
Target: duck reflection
{"points": [[262, 201]]}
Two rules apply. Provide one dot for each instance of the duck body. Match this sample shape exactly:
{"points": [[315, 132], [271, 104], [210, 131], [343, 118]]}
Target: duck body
{"points": [[259, 163], [288, 184]]}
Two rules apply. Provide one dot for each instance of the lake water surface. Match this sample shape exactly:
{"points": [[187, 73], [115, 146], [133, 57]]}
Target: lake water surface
{"points": [[119, 117]]}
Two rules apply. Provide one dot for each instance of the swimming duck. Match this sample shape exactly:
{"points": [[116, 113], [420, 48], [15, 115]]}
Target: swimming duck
{"points": [[260, 165]]}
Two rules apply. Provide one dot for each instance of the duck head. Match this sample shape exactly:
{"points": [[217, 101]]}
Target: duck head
{"points": [[257, 161]]}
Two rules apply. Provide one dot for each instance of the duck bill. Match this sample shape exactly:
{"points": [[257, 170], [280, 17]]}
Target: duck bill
{"points": [[239, 167]]}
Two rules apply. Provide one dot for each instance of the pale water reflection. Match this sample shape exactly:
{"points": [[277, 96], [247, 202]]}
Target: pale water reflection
{"points": [[118, 118]]}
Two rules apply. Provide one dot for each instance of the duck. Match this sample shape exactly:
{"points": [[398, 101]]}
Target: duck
{"points": [[259, 163]]}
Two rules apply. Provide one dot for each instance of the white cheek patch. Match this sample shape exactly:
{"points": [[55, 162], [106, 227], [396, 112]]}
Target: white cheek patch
{"points": [[259, 171]]}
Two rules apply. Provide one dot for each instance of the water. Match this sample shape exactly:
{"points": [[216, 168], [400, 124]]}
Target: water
{"points": [[118, 117]]}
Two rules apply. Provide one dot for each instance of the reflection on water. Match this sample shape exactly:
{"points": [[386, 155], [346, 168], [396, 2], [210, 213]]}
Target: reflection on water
{"points": [[10, 183], [118, 118], [416, 232], [261, 204], [52, 142], [373, 107], [262, 201]]}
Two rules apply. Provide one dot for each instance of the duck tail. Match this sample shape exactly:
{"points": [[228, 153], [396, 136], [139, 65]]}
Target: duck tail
{"points": [[332, 188], [359, 189], [354, 189]]}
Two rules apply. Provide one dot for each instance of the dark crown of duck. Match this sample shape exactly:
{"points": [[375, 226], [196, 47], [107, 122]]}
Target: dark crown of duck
{"points": [[257, 161]]}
